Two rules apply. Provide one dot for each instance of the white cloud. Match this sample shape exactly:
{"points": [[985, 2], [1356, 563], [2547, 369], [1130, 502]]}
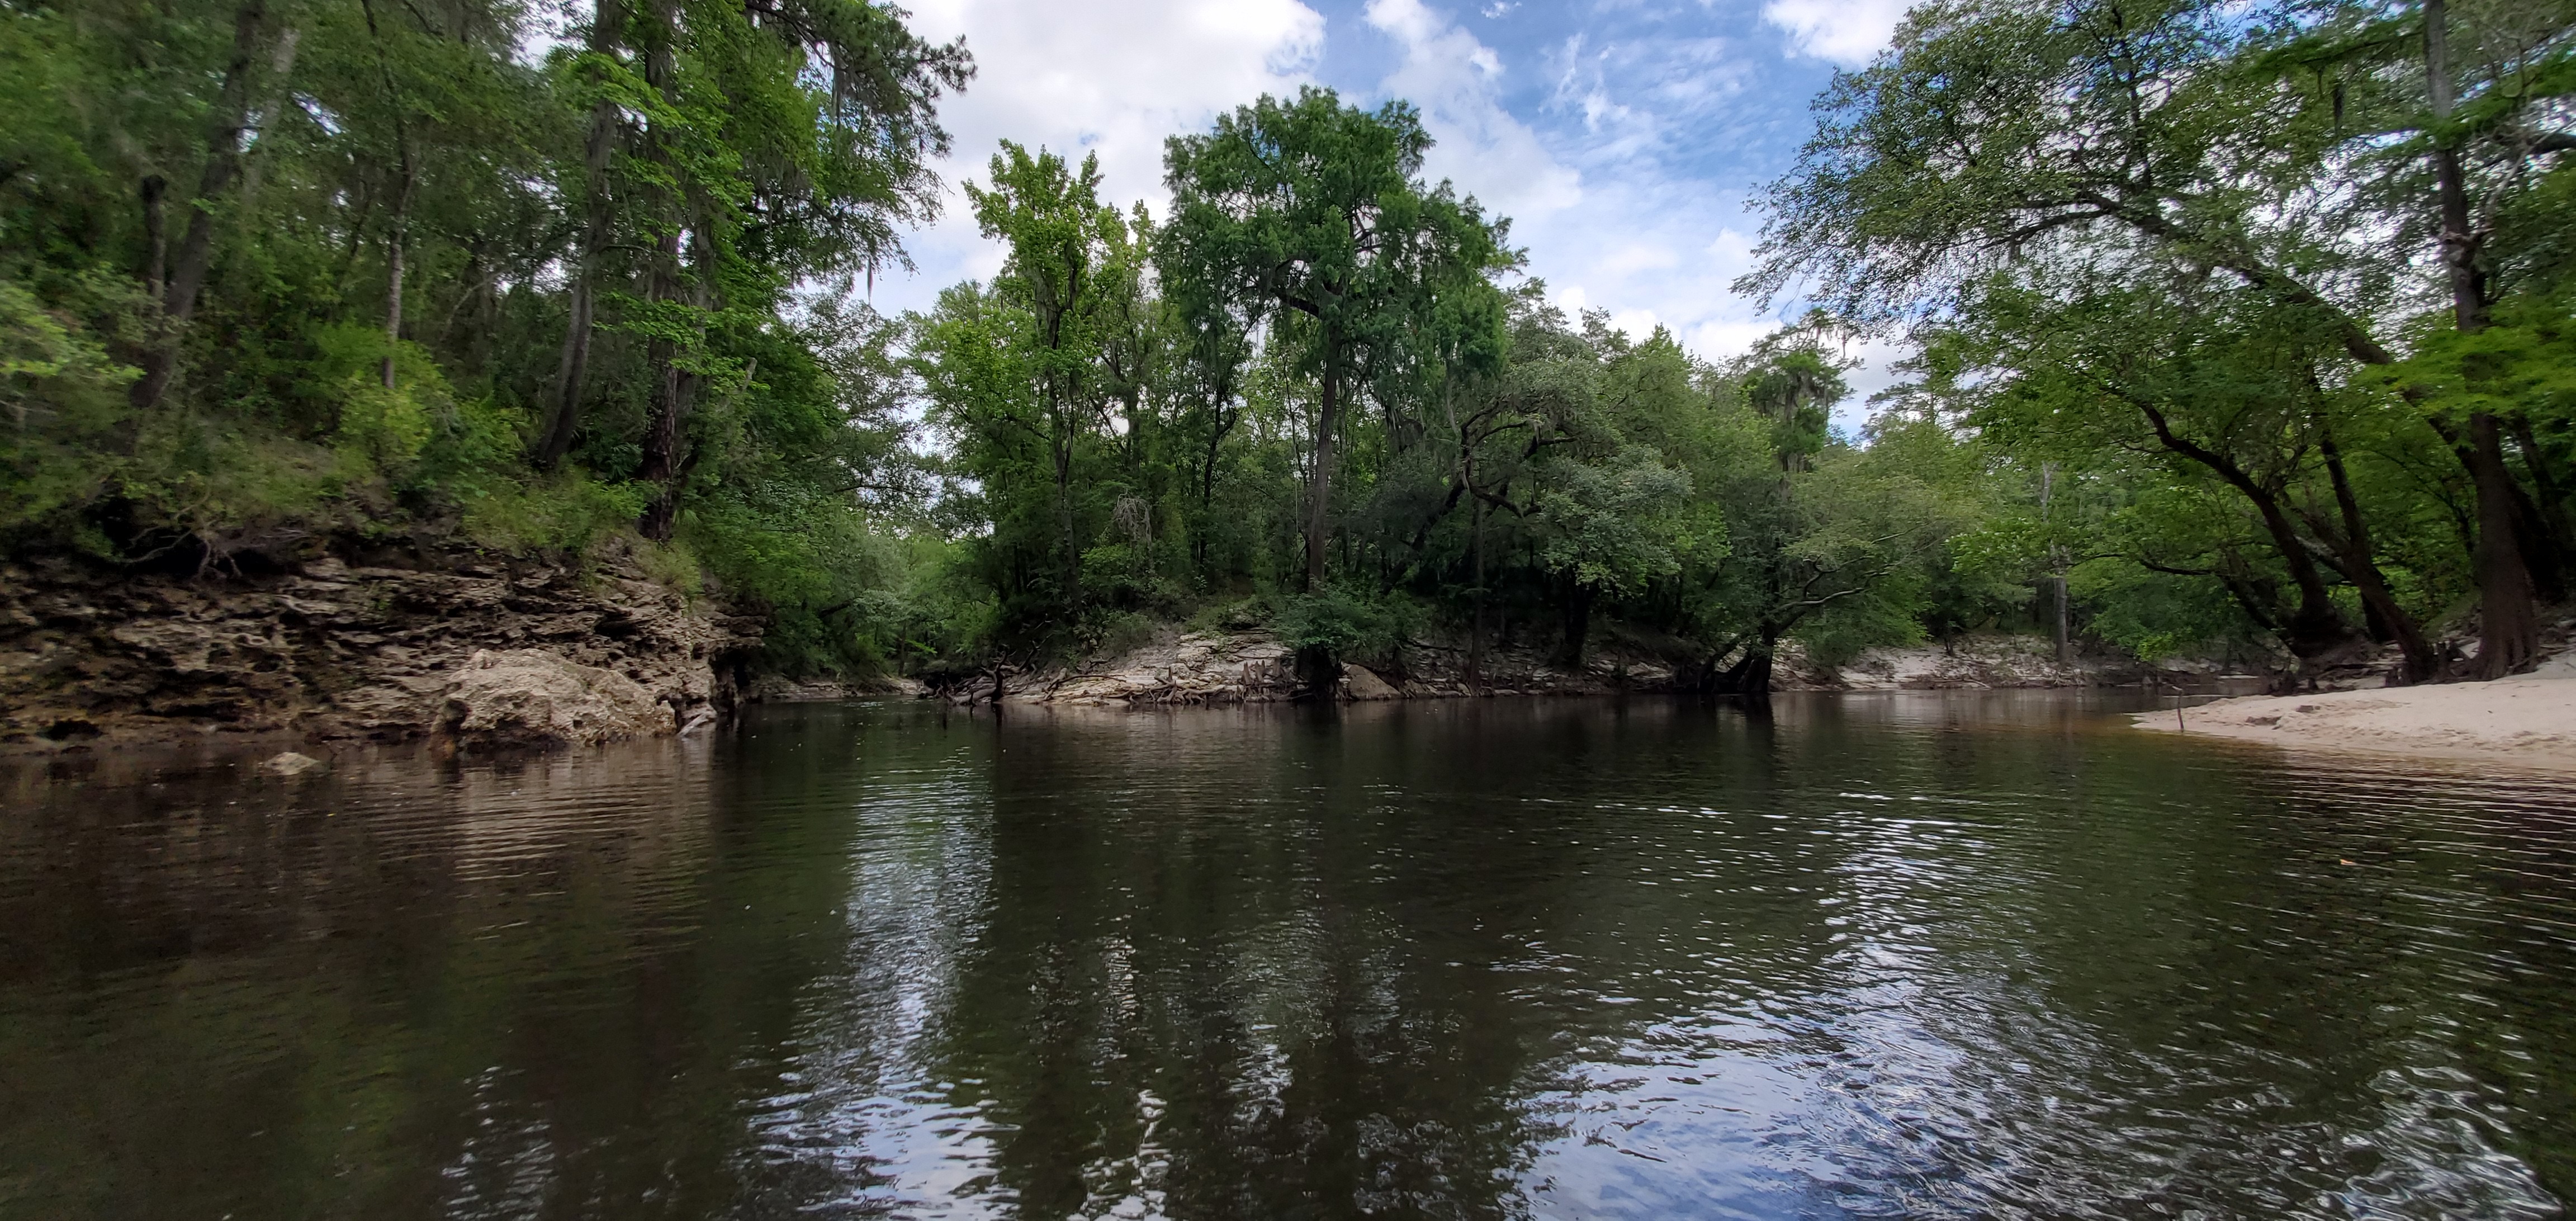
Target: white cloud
{"points": [[1635, 321], [1603, 180], [1722, 337], [1877, 371], [1108, 76], [1847, 32], [1622, 233], [1456, 81], [1639, 256]]}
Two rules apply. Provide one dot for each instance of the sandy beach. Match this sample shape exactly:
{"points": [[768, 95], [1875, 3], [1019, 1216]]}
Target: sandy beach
{"points": [[2529, 720]]}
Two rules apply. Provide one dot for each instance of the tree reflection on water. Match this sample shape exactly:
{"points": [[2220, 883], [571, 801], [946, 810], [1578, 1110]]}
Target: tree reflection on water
{"points": [[1900, 954]]}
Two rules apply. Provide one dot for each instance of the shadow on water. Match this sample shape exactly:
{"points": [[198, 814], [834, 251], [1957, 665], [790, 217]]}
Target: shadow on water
{"points": [[1897, 954]]}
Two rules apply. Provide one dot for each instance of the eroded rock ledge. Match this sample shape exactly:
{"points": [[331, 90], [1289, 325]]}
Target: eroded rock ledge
{"points": [[477, 650], [1253, 667]]}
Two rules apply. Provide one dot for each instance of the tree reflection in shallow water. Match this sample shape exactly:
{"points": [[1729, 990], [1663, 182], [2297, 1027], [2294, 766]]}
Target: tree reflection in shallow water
{"points": [[1904, 955]]}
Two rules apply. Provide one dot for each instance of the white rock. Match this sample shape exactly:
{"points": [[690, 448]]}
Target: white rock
{"points": [[531, 697], [1362, 683], [291, 764]]}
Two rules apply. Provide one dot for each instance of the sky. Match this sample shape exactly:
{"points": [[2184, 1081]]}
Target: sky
{"points": [[1624, 138]]}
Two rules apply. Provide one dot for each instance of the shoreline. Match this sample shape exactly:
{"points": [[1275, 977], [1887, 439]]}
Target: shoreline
{"points": [[2529, 720], [1252, 666]]}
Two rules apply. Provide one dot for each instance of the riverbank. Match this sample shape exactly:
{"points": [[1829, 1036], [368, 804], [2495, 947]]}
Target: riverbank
{"points": [[1254, 667], [384, 643], [2529, 720]]}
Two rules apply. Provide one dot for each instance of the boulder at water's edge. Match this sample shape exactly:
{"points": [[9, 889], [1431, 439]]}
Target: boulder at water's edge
{"points": [[537, 698], [1362, 683]]}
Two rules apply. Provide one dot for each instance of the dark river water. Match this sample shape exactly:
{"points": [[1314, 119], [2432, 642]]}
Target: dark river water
{"points": [[1886, 955]]}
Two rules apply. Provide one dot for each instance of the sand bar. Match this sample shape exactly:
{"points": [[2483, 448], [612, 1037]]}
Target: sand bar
{"points": [[2525, 720]]}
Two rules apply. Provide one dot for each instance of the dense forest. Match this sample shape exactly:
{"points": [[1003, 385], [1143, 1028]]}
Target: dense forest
{"points": [[2237, 332]]}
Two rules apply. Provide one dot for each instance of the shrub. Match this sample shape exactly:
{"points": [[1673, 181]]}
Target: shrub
{"points": [[1340, 623], [564, 511], [60, 398]]}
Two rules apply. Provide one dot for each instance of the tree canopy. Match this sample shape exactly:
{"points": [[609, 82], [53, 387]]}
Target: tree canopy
{"points": [[2237, 332]]}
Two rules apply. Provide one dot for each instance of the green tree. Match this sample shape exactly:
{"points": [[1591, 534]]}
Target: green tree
{"points": [[2156, 142], [1318, 207], [1821, 540], [374, 274], [1059, 280]]}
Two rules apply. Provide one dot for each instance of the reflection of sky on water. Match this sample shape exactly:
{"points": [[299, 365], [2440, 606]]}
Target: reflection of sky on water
{"points": [[1868, 1069]]}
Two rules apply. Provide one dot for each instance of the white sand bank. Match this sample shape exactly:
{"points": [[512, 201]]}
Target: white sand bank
{"points": [[2530, 720]]}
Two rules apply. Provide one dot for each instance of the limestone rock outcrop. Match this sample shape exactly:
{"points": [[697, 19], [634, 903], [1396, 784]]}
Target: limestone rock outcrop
{"points": [[1252, 666], [1195, 668], [1973, 662], [537, 698], [350, 645], [1255, 667]]}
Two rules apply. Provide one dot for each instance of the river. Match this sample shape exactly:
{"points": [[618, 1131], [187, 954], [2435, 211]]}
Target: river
{"points": [[1917, 955]]}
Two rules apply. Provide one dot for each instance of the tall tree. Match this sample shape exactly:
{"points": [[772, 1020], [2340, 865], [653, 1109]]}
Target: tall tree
{"points": [[1813, 531], [786, 141], [1061, 275], [259, 41], [598, 69], [1317, 207]]}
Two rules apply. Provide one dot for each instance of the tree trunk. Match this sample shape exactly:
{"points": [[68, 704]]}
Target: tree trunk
{"points": [[2313, 630], [1218, 426], [394, 269], [2509, 620], [1578, 625], [156, 263], [2065, 637], [1752, 676], [2057, 562], [2543, 556], [2461, 257], [1319, 512], [281, 61], [2509, 617], [1476, 635], [393, 306], [2549, 502], [1751, 673], [2548, 547], [661, 464], [1068, 549], [476, 313], [398, 233], [2255, 597], [572, 375], [223, 164], [2387, 620]]}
